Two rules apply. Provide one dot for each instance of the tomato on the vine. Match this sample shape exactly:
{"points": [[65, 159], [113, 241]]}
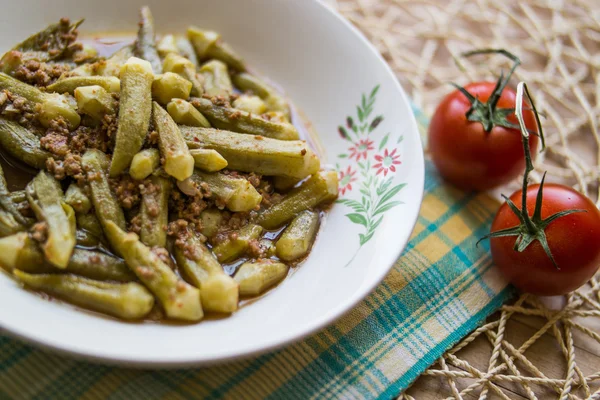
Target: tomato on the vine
{"points": [[466, 154], [573, 239], [545, 238], [474, 139]]}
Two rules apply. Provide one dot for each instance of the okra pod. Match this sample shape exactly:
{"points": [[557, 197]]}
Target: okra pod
{"points": [[135, 107], [22, 144], [319, 188], [144, 163], [218, 291], [179, 163], [18, 196], [298, 237], [111, 84], [154, 212], [209, 44], [52, 105], [256, 277], [268, 248], [237, 244], [208, 160], [248, 153], [170, 86], [46, 199], [145, 45], [273, 99], [211, 219], [240, 121], [90, 223], [9, 225], [95, 102], [186, 49], [179, 299], [113, 65], [49, 44], [77, 199], [167, 44], [122, 300], [236, 193], [186, 69], [23, 253], [98, 265], [216, 79], [284, 183], [184, 113], [105, 202], [7, 203], [250, 104], [87, 239]]}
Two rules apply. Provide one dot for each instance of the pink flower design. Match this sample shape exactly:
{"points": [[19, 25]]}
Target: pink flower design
{"points": [[387, 162], [361, 149], [346, 179]]}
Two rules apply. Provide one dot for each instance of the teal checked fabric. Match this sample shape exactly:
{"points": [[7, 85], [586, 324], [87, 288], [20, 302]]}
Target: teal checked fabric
{"points": [[441, 288]]}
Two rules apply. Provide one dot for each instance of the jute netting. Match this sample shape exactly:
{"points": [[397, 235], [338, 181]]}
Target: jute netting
{"points": [[558, 43]]}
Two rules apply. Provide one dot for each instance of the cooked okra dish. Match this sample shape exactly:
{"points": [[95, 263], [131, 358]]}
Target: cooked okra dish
{"points": [[165, 180]]}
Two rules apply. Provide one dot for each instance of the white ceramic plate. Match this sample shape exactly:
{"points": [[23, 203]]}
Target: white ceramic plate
{"points": [[330, 71]]}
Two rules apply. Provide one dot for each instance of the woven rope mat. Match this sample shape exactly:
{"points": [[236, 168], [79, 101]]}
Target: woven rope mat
{"points": [[535, 348]]}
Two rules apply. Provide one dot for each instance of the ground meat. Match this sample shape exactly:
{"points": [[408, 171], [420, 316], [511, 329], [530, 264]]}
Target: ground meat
{"points": [[136, 224], [127, 190], [164, 256], [18, 109], [152, 138], [70, 166], [254, 179], [220, 101], [255, 250], [181, 231], [188, 207], [39, 232], [56, 144], [236, 221], [56, 168], [40, 73], [270, 198]]}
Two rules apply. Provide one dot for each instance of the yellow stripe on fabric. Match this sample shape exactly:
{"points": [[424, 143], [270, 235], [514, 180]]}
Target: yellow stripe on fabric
{"points": [[208, 379], [265, 373], [424, 321]]}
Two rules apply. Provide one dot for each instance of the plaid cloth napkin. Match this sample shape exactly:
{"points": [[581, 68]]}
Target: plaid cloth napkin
{"points": [[441, 288]]}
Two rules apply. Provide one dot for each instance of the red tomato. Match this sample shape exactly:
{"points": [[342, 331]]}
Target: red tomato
{"points": [[468, 156], [574, 241]]}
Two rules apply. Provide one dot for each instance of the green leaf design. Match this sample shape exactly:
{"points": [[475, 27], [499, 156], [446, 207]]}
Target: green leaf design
{"points": [[357, 219], [374, 92], [376, 224], [391, 193], [384, 186], [376, 193], [383, 142], [365, 238], [385, 207], [400, 139]]}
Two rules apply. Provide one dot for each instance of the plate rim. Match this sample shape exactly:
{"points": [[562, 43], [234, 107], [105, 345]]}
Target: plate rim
{"points": [[164, 362]]}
